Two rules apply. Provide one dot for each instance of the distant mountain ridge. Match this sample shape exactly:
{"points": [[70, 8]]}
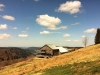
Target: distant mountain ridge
{"points": [[33, 49], [8, 55]]}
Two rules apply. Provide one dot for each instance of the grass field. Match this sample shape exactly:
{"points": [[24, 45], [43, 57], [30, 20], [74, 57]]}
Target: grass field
{"points": [[82, 68], [68, 64]]}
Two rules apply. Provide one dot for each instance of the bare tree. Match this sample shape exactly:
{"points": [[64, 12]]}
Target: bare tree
{"points": [[85, 41]]}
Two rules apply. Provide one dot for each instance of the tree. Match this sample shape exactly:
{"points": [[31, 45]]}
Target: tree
{"points": [[85, 41], [97, 37]]}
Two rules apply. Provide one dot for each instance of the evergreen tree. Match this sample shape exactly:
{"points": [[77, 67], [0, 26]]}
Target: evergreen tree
{"points": [[97, 37]]}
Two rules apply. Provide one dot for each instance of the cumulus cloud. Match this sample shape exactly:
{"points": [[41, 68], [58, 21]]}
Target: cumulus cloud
{"points": [[92, 30], [68, 40], [66, 35], [54, 28], [63, 27], [14, 28], [1, 7], [3, 26], [5, 36], [45, 32], [57, 28], [7, 17], [71, 7], [23, 35], [75, 23], [48, 21]]}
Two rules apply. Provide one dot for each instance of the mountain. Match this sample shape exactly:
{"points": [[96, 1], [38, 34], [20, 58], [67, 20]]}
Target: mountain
{"points": [[10, 55], [33, 50], [84, 61]]}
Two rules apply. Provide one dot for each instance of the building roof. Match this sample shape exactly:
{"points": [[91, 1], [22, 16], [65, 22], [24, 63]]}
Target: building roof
{"points": [[61, 49], [52, 46]]}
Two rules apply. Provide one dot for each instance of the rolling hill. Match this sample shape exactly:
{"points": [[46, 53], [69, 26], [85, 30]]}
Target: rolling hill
{"points": [[73, 62], [32, 50], [10, 55]]}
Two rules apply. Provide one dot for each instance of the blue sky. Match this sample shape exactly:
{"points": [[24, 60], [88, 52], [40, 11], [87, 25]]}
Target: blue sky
{"points": [[26, 23]]}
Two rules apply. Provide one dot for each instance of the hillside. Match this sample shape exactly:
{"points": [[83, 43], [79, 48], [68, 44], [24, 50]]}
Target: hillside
{"points": [[89, 54], [32, 50], [10, 55]]}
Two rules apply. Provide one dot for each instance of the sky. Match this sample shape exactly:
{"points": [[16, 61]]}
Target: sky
{"points": [[34, 23]]}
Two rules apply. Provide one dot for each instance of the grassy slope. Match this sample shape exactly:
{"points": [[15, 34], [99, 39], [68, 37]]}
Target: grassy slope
{"points": [[86, 55], [82, 68]]}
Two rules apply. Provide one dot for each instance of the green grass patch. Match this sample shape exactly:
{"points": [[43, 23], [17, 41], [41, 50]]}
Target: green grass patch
{"points": [[82, 68], [60, 70]]}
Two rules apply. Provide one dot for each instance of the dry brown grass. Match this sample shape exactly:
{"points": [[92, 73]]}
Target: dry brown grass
{"points": [[28, 67]]}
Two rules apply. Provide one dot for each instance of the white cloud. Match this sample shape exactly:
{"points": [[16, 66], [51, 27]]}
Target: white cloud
{"points": [[23, 35], [58, 28], [5, 36], [45, 32], [66, 35], [48, 21], [75, 23], [36, 0], [71, 7], [92, 30], [14, 28], [54, 28], [68, 40], [1, 7], [7, 17], [3, 26], [63, 27], [83, 36]]}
